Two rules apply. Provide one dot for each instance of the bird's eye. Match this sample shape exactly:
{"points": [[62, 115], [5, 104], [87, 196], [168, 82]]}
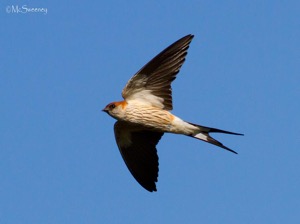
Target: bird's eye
{"points": [[112, 106]]}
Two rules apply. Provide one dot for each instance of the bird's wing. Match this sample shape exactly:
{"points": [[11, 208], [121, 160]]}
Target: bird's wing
{"points": [[138, 149], [152, 84]]}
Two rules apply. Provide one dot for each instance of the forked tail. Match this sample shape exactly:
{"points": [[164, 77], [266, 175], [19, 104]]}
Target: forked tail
{"points": [[203, 135]]}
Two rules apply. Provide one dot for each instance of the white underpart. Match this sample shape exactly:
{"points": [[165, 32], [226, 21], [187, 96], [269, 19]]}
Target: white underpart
{"points": [[145, 97], [181, 127], [201, 136]]}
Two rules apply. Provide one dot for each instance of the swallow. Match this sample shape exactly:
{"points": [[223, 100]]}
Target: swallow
{"points": [[144, 115]]}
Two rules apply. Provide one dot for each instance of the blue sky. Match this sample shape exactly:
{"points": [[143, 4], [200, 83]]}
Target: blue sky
{"points": [[59, 160]]}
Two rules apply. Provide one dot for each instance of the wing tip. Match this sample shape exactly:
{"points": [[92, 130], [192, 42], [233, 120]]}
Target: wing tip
{"points": [[189, 36], [151, 189]]}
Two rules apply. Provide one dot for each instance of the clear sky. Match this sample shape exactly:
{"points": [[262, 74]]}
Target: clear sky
{"points": [[58, 69]]}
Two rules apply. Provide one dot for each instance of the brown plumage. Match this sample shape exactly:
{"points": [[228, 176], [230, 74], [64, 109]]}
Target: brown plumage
{"points": [[144, 115]]}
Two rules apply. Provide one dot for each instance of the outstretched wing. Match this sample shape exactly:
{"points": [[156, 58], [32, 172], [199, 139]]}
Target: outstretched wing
{"points": [[152, 84], [138, 149]]}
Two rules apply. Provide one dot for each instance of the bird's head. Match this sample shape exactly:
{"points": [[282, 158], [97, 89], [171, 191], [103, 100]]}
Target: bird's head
{"points": [[115, 109]]}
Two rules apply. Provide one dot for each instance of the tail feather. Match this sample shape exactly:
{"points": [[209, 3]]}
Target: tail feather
{"points": [[204, 136]]}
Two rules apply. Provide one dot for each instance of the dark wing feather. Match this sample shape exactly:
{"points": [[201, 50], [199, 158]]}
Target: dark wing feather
{"points": [[156, 76], [138, 149]]}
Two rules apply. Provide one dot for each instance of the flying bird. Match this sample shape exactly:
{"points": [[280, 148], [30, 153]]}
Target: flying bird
{"points": [[144, 115]]}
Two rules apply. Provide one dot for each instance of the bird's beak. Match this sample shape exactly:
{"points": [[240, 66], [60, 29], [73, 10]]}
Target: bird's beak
{"points": [[105, 110]]}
